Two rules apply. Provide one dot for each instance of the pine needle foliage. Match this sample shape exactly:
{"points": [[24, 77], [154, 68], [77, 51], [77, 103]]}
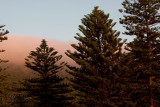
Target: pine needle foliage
{"points": [[100, 78], [2, 38], [47, 89], [142, 19]]}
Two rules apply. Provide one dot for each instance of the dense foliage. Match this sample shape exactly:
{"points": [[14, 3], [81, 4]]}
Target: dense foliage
{"points": [[47, 89], [141, 19], [2, 61], [106, 74], [100, 79]]}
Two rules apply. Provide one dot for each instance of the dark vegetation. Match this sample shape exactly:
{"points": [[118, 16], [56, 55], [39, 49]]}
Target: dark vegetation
{"points": [[105, 75]]}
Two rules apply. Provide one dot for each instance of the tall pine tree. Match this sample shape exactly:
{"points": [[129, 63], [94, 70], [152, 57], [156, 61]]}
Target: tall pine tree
{"points": [[141, 19], [47, 88], [100, 77]]}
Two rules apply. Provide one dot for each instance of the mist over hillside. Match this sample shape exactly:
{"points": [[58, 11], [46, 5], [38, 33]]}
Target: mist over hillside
{"points": [[17, 48]]}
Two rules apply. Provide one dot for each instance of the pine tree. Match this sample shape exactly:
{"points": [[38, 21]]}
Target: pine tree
{"points": [[47, 89], [141, 19], [100, 77], [2, 38]]}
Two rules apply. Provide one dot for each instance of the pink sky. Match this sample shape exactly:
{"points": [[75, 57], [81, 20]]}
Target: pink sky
{"points": [[18, 47]]}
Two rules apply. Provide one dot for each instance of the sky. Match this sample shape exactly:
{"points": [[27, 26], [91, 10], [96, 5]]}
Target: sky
{"points": [[54, 19], [17, 48], [57, 21]]}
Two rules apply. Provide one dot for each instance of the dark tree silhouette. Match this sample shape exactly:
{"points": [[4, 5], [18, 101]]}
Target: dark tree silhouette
{"points": [[47, 89], [100, 79], [2, 38], [141, 19]]}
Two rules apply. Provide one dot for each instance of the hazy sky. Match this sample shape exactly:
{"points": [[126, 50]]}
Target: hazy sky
{"points": [[56, 19], [18, 48]]}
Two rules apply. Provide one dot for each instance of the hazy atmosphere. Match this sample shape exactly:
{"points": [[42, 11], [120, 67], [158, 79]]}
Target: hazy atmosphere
{"points": [[17, 47], [80, 53]]}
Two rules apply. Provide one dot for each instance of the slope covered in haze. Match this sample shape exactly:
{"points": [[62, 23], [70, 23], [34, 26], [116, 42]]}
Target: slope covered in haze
{"points": [[18, 48]]}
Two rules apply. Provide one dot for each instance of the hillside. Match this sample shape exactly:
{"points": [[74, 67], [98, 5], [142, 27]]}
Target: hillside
{"points": [[18, 48]]}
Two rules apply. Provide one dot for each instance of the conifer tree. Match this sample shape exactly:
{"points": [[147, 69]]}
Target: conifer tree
{"points": [[141, 19], [100, 77], [2, 38], [47, 89]]}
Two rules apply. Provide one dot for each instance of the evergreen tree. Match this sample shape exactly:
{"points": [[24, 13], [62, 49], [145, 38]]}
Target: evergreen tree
{"points": [[47, 89], [2, 38], [141, 19], [100, 77]]}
